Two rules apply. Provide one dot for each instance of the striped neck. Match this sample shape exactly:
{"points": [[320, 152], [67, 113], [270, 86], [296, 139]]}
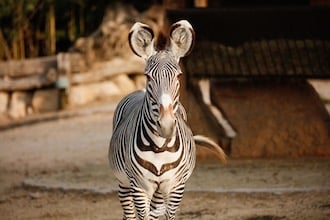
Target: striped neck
{"points": [[148, 137]]}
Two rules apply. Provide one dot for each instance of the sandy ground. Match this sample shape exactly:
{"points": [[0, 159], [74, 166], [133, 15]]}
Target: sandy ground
{"points": [[71, 145]]}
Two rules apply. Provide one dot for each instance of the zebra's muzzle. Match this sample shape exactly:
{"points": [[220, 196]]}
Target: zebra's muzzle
{"points": [[166, 122]]}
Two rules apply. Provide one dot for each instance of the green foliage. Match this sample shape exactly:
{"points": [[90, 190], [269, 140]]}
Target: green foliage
{"points": [[28, 28]]}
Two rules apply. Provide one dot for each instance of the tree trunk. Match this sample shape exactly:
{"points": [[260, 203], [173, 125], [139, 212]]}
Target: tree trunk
{"points": [[71, 28], [51, 29], [5, 46], [20, 29], [81, 21]]}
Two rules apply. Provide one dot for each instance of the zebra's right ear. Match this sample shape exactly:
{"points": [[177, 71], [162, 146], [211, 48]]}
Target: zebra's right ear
{"points": [[141, 40]]}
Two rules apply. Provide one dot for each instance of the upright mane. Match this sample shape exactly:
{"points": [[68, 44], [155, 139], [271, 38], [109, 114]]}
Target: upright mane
{"points": [[161, 41]]}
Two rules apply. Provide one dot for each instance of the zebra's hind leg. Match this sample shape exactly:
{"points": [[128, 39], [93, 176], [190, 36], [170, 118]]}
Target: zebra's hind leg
{"points": [[126, 201], [172, 201]]}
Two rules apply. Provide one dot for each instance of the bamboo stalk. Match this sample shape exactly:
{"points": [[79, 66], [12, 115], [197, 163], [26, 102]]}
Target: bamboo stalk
{"points": [[52, 28], [20, 26], [5, 46]]}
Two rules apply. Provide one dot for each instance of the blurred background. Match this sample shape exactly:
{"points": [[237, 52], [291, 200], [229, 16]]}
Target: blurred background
{"points": [[45, 27], [259, 69], [257, 82]]}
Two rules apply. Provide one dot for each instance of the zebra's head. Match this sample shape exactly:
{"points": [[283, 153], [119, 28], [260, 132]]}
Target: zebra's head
{"points": [[163, 70]]}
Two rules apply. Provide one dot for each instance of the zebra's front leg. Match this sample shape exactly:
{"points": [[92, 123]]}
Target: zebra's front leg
{"points": [[157, 206], [126, 201], [173, 200], [141, 203]]}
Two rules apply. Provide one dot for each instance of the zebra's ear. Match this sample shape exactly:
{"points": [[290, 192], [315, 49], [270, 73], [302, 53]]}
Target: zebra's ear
{"points": [[182, 37], [141, 40]]}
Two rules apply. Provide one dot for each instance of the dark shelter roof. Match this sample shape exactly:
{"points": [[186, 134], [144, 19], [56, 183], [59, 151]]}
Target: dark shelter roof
{"points": [[259, 42]]}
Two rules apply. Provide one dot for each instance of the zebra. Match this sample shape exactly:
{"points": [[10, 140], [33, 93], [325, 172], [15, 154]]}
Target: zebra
{"points": [[152, 149]]}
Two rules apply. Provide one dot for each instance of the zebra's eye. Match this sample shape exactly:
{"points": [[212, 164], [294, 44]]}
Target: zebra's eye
{"points": [[152, 62]]}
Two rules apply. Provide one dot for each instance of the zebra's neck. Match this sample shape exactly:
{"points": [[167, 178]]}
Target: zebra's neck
{"points": [[147, 138]]}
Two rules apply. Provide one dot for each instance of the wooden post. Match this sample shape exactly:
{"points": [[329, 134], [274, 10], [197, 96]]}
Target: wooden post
{"points": [[27, 67], [29, 82]]}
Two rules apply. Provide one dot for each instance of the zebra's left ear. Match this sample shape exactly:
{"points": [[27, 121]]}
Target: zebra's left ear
{"points": [[141, 40], [182, 37]]}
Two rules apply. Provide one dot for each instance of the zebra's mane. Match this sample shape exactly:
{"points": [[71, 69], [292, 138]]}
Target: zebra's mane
{"points": [[161, 41]]}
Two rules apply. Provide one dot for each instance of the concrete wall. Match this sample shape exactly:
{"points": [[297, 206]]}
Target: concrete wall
{"points": [[272, 118]]}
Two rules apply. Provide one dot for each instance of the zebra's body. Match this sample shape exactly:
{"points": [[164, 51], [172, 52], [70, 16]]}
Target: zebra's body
{"points": [[145, 161], [152, 149]]}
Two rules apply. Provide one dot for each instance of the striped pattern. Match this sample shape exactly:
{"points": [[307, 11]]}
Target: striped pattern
{"points": [[152, 170]]}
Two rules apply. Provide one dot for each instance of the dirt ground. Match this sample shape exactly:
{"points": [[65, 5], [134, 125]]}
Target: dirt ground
{"points": [[70, 144]]}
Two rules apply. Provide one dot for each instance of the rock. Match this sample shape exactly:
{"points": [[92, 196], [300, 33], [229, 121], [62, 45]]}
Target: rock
{"points": [[19, 103], [83, 94], [110, 39], [124, 83], [140, 81], [35, 195], [4, 99], [46, 100]]}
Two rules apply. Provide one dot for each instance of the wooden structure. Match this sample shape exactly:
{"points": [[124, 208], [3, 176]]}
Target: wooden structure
{"points": [[256, 62], [95, 68], [280, 42], [42, 72]]}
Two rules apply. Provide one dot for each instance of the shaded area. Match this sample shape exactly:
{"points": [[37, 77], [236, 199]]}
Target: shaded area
{"points": [[240, 176], [261, 58], [274, 118]]}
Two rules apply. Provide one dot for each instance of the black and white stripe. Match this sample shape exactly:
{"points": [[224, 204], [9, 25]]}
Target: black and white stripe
{"points": [[152, 168]]}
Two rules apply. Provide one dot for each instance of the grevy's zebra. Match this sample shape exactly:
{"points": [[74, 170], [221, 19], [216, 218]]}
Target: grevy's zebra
{"points": [[152, 150]]}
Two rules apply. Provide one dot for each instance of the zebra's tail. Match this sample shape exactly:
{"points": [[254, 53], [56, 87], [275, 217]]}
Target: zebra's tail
{"points": [[211, 145]]}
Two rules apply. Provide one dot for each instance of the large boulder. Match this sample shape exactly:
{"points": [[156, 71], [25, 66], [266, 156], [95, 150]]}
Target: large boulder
{"points": [[46, 100], [124, 83], [19, 104], [116, 86], [274, 118], [4, 100]]}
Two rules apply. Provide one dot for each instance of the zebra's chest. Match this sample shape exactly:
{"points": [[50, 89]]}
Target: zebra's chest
{"points": [[156, 155]]}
